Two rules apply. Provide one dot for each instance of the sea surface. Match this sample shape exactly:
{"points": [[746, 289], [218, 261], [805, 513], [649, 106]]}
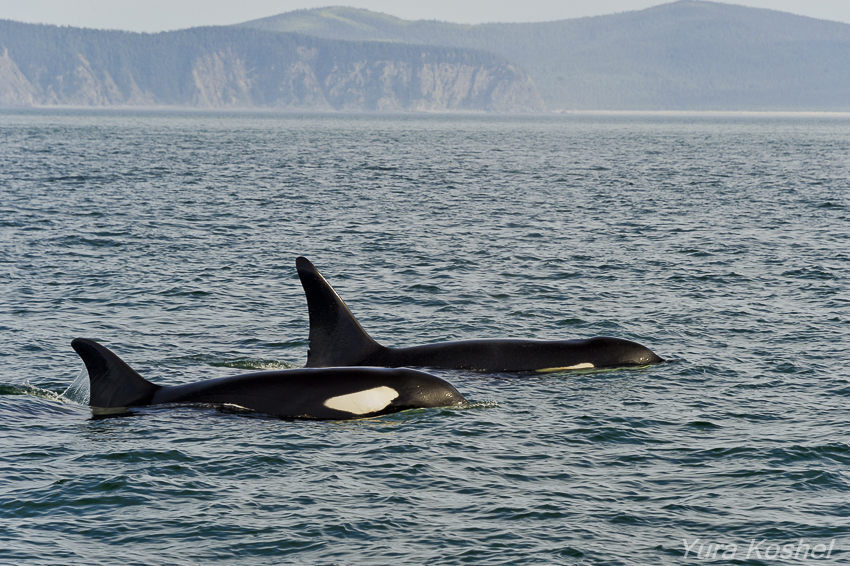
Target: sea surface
{"points": [[722, 242]]}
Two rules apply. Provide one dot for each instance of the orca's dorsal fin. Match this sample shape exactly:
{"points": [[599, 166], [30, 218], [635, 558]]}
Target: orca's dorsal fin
{"points": [[336, 338], [113, 382]]}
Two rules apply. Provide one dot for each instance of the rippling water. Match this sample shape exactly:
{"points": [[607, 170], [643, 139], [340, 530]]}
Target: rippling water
{"points": [[721, 242]]}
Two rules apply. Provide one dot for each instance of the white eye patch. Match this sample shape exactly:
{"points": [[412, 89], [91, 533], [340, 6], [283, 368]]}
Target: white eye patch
{"points": [[363, 402]]}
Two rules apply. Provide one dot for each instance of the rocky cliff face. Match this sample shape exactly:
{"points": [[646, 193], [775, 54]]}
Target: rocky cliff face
{"points": [[296, 74], [15, 89], [223, 81]]}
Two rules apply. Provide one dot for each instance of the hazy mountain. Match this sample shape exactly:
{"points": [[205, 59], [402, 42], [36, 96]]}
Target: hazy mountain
{"points": [[689, 54], [229, 67]]}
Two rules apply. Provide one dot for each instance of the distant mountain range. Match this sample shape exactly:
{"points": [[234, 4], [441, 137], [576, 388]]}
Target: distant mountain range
{"points": [[687, 55], [232, 67]]}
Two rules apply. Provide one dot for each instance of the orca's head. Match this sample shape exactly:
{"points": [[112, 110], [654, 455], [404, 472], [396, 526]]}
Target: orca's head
{"points": [[619, 352], [424, 390]]}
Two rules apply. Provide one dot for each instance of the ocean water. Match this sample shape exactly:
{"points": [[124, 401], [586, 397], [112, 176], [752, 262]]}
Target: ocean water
{"points": [[720, 242]]}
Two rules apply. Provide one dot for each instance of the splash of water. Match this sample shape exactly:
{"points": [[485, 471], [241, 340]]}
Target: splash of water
{"points": [[79, 390]]}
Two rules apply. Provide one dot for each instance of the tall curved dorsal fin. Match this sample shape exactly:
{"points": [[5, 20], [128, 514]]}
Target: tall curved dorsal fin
{"points": [[113, 382], [336, 338]]}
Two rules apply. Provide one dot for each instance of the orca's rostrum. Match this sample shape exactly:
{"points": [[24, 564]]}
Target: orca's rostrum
{"points": [[337, 339], [329, 393]]}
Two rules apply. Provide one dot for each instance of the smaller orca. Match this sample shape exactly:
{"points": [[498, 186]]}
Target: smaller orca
{"points": [[337, 339], [332, 393]]}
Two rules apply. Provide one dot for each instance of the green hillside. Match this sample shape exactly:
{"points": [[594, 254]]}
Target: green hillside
{"points": [[689, 54]]}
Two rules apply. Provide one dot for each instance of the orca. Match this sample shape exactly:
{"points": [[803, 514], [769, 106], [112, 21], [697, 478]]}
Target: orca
{"points": [[337, 339], [323, 394]]}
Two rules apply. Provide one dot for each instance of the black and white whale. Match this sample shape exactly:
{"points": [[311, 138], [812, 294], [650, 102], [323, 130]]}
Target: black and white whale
{"points": [[337, 339], [331, 393]]}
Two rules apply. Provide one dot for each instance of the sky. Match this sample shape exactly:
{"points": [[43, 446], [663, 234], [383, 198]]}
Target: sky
{"points": [[165, 15]]}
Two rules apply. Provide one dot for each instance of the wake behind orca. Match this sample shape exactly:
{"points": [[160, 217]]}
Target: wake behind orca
{"points": [[337, 339], [333, 393]]}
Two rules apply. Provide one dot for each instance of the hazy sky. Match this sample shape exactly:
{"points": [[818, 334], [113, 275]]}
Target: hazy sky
{"points": [[163, 15]]}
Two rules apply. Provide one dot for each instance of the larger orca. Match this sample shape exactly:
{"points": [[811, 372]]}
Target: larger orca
{"points": [[337, 339], [333, 393]]}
